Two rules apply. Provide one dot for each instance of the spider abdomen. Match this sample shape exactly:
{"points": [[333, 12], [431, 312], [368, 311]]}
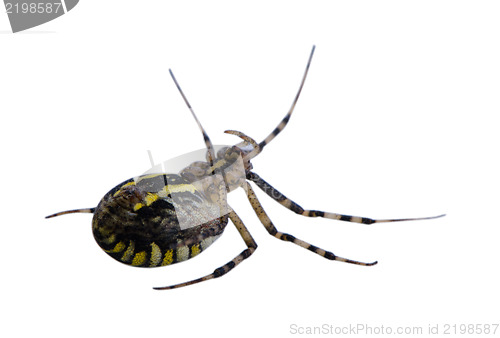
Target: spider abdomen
{"points": [[156, 220]]}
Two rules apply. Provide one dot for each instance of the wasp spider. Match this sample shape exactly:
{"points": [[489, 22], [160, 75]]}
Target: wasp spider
{"points": [[159, 219]]}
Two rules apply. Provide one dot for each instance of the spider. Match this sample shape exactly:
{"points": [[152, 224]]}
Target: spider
{"points": [[158, 219]]}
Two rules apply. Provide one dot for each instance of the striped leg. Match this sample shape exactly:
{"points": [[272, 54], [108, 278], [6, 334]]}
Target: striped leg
{"points": [[285, 120], [266, 221], [288, 203], [249, 241], [208, 143], [86, 210]]}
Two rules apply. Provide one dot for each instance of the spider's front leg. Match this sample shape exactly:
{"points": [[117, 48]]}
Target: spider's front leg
{"points": [[288, 203]]}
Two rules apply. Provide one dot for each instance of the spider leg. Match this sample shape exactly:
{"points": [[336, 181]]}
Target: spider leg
{"points": [[288, 203], [268, 224], [208, 143], [285, 120], [86, 210], [249, 241]]}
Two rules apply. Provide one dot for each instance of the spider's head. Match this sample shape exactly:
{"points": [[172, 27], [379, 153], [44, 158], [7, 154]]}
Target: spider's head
{"points": [[232, 162], [247, 149]]}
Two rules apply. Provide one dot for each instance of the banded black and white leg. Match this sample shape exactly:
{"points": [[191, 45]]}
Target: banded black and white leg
{"points": [[251, 247], [282, 199], [268, 224], [288, 203]]}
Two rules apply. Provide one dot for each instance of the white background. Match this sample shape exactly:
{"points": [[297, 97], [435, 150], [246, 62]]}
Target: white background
{"points": [[398, 118]]}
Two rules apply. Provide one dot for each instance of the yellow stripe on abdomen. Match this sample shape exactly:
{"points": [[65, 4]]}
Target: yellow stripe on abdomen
{"points": [[168, 258], [127, 256], [139, 258], [195, 250], [119, 247]]}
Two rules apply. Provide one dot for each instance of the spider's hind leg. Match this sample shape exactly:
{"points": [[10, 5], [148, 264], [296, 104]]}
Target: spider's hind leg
{"points": [[251, 247], [85, 211]]}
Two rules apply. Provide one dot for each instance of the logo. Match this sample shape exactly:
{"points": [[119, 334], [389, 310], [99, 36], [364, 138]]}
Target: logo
{"points": [[26, 14]]}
